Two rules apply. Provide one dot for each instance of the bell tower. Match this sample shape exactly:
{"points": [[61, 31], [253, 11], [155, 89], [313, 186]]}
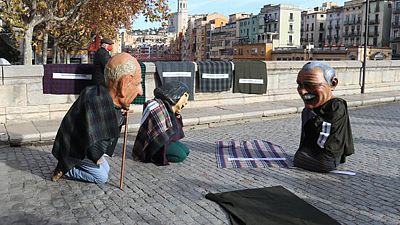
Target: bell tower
{"points": [[182, 6], [182, 16]]}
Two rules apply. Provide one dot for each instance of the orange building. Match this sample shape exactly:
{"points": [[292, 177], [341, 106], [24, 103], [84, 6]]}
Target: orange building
{"points": [[257, 51]]}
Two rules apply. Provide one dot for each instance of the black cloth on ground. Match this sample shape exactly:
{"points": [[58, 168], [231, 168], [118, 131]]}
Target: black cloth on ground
{"points": [[271, 205]]}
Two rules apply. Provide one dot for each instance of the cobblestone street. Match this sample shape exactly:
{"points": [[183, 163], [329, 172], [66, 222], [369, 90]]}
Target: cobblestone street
{"points": [[174, 194]]}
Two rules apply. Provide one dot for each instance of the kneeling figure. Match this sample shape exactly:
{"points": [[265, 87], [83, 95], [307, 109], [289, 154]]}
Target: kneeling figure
{"points": [[161, 126]]}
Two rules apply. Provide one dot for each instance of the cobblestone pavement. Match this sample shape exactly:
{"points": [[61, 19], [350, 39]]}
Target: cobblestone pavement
{"points": [[175, 194]]}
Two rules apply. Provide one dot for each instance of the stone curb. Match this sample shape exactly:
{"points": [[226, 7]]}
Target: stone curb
{"points": [[18, 135]]}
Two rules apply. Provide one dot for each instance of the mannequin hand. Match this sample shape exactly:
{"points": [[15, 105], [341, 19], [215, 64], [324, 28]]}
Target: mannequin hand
{"points": [[100, 161], [124, 111]]}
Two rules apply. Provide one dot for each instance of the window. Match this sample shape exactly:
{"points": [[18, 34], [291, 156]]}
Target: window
{"points": [[291, 16]]}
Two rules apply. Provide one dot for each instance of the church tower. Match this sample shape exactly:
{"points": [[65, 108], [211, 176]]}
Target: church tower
{"points": [[178, 21], [182, 16], [182, 6]]}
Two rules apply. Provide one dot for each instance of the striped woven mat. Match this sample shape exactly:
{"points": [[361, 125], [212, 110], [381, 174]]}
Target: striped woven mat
{"points": [[250, 154]]}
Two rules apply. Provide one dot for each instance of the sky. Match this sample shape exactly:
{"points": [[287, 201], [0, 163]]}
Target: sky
{"points": [[228, 7]]}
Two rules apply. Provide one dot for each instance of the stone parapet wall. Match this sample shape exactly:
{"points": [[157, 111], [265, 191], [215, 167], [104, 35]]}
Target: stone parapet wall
{"points": [[22, 97]]}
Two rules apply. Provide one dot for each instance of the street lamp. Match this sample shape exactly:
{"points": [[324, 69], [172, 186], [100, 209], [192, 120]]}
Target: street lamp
{"points": [[365, 45]]}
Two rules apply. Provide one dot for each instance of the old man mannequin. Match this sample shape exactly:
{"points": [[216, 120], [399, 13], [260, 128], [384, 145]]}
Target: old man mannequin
{"points": [[161, 126], [91, 127], [326, 137]]}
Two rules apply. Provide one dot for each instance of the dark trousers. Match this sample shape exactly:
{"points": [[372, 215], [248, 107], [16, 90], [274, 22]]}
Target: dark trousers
{"points": [[316, 161]]}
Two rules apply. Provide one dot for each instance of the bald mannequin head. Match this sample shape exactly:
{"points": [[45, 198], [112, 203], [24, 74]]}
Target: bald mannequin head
{"points": [[123, 77]]}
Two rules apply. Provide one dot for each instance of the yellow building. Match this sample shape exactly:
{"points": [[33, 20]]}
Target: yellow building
{"points": [[257, 51]]}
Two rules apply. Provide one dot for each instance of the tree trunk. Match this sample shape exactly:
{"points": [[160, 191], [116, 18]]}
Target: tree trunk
{"points": [[45, 46], [28, 45], [55, 52], [67, 57]]}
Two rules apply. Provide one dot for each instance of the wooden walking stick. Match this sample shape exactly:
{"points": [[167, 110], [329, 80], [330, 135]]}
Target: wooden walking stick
{"points": [[121, 179]]}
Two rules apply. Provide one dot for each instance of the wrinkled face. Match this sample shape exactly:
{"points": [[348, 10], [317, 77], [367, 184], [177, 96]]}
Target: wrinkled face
{"points": [[313, 88], [177, 108], [132, 89]]}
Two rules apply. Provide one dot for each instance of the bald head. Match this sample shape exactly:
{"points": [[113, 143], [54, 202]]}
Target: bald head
{"points": [[124, 80], [119, 65]]}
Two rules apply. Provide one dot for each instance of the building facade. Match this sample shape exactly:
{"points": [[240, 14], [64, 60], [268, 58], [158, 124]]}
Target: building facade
{"points": [[395, 31], [334, 22], [248, 29], [188, 49], [353, 28], [149, 43], [379, 23], [280, 25], [255, 51], [314, 24]]}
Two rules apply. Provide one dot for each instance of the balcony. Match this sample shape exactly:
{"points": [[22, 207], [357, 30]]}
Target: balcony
{"points": [[290, 31], [373, 34], [357, 22], [329, 37], [321, 29], [330, 27], [337, 26], [372, 22], [396, 11], [270, 20], [396, 24], [290, 43], [396, 39], [355, 34]]}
